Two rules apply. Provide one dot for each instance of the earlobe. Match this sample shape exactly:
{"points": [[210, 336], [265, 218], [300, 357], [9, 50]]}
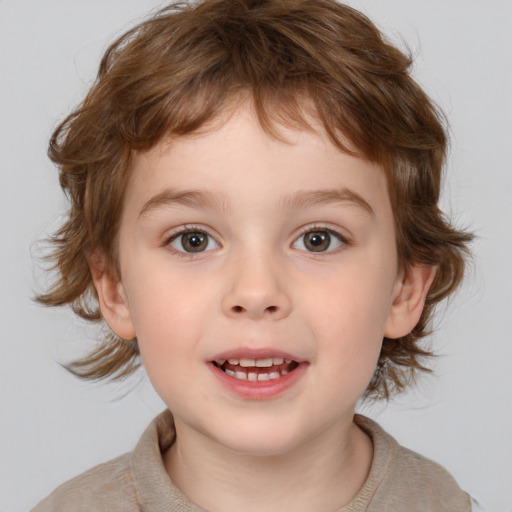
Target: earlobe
{"points": [[409, 300], [112, 299]]}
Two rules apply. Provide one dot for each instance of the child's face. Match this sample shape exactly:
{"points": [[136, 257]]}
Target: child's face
{"points": [[234, 245]]}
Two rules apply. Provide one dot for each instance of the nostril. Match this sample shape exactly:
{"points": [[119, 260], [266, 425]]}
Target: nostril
{"points": [[241, 309]]}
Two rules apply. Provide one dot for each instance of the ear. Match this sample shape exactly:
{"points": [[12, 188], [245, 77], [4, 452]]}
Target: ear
{"points": [[412, 289], [111, 298]]}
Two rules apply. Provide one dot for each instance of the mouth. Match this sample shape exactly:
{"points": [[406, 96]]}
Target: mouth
{"points": [[257, 369]]}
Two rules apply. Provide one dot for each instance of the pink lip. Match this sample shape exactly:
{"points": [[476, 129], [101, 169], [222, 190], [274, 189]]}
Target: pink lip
{"points": [[257, 390], [259, 353]]}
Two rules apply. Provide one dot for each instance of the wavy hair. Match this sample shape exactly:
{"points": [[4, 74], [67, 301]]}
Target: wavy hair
{"points": [[177, 71]]}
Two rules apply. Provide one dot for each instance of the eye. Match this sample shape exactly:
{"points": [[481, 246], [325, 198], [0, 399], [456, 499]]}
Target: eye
{"points": [[193, 241], [319, 240]]}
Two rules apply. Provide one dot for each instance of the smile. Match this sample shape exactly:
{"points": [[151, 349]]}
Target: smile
{"points": [[256, 370], [257, 374]]}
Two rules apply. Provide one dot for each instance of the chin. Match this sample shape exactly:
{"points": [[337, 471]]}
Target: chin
{"points": [[261, 440]]}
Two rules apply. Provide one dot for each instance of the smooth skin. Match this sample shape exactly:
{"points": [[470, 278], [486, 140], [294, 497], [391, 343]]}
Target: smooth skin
{"points": [[233, 240]]}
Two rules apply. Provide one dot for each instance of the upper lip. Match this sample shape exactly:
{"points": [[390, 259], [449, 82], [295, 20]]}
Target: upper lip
{"points": [[251, 353]]}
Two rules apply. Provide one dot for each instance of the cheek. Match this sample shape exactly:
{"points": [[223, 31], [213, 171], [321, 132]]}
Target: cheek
{"points": [[162, 299], [171, 314], [156, 309], [348, 314], [167, 343], [350, 298]]}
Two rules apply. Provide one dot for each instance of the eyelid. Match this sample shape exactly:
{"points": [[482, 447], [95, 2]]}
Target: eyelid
{"points": [[188, 228], [311, 228]]}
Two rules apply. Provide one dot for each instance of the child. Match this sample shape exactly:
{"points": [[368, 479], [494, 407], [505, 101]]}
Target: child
{"points": [[254, 189]]}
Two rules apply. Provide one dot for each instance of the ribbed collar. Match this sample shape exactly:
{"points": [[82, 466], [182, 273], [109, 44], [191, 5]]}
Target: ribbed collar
{"points": [[156, 492]]}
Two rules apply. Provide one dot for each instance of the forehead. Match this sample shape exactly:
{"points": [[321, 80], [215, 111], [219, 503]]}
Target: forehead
{"points": [[235, 154]]}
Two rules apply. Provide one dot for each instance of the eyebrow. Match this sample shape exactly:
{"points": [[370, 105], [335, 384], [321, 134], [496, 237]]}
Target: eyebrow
{"points": [[308, 199], [200, 199], [204, 199]]}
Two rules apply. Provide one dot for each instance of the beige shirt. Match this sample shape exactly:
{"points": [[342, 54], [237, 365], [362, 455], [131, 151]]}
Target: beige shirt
{"points": [[399, 480]]}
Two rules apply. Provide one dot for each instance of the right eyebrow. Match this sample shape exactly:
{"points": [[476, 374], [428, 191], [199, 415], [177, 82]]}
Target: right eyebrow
{"points": [[200, 199], [311, 198]]}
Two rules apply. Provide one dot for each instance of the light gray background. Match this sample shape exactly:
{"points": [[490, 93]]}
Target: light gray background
{"points": [[52, 426]]}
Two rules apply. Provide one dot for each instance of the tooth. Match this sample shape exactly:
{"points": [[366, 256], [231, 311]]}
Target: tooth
{"points": [[233, 361], [263, 376], [241, 375], [287, 361], [284, 372], [277, 361], [220, 362], [229, 372], [252, 376], [274, 375], [245, 362], [264, 363]]}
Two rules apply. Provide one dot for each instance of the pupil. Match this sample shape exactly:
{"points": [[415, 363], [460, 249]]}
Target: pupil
{"points": [[194, 242], [318, 241]]}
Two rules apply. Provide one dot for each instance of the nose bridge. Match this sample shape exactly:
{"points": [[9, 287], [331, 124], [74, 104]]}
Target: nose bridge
{"points": [[255, 288]]}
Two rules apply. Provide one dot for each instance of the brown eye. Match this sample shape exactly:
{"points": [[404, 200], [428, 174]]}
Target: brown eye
{"points": [[321, 240], [317, 241], [193, 241]]}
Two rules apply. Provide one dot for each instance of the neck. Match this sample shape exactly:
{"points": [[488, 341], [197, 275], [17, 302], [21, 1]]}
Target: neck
{"points": [[323, 474]]}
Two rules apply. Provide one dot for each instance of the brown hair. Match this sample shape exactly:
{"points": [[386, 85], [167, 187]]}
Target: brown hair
{"points": [[173, 73]]}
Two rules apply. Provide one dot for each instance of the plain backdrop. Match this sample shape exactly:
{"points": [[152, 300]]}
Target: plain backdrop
{"points": [[53, 426]]}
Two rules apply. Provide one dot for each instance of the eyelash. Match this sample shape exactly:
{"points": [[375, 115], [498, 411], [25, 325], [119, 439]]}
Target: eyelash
{"points": [[343, 241], [180, 233]]}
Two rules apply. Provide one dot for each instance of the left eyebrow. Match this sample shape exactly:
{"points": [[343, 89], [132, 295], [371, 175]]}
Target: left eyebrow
{"points": [[192, 198], [308, 199]]}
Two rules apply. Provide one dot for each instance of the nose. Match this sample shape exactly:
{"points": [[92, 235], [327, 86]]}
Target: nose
{"points": [[255, 289]]}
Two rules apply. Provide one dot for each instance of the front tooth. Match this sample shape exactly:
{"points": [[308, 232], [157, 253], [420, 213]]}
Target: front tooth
{"points": [[263, 376], [233, 361], [264, 363], [245, 362], [252, 376], [277, 361], [241, 375]]}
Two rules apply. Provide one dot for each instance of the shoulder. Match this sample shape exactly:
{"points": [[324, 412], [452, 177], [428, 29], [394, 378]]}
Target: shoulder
{"points": [[104, 488], [130, 483], [401, 479]]}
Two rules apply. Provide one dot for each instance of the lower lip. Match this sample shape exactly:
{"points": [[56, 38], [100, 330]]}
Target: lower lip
{"points": [[259, 390]]}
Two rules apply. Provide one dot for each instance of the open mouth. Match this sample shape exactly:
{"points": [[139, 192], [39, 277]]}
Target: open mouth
{"points": [[256, 370]]}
